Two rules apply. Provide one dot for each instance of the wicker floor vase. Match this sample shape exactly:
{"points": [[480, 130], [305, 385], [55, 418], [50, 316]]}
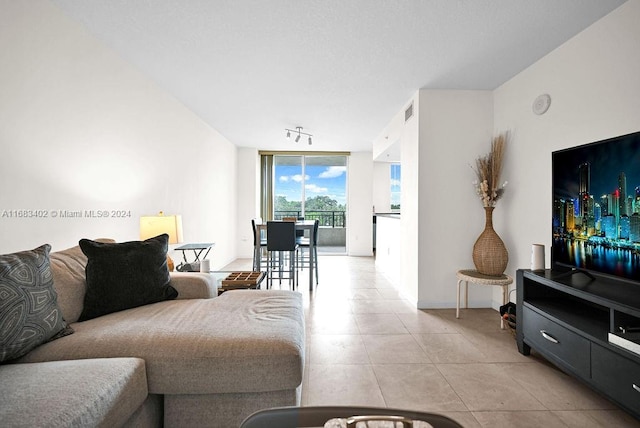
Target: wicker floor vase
{"points": [[490, 256]]}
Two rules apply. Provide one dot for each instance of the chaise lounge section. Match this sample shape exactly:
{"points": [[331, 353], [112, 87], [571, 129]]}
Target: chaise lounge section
{"points": [[208, 361]]}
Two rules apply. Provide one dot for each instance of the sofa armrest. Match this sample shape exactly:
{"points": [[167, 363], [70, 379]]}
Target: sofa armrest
{"points": [[194, 285]]}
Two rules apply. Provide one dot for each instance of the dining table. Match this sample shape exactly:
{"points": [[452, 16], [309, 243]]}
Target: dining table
{"points": [[303, 225]]}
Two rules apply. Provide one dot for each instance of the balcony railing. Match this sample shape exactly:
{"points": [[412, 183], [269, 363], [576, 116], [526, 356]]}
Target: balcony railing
{"points": [[326, 218]]}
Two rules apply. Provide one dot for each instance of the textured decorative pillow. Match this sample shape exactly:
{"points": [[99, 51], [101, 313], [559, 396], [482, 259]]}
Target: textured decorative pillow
{"points": [[69, 279], [125, 275], [29, 312]]}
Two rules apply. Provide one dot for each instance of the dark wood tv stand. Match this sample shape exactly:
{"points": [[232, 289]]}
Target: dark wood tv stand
{"points": [[577, 323]]}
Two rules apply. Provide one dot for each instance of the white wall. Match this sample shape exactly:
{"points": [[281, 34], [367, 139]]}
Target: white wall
{"points": [[410, 217], [441, 215], [248, 198], [405, 135], [594, 84], [360, 204], [382, 187], [455, 128], [389, 248], [385, 144], [83, 130]]}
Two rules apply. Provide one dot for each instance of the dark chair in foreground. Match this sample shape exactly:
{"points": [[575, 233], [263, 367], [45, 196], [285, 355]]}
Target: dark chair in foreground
{"points": [[298, 417], [281, 242]]}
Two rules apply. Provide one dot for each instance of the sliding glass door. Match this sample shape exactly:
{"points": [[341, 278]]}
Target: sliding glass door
{"points": [[311, 187], [288, 186]]}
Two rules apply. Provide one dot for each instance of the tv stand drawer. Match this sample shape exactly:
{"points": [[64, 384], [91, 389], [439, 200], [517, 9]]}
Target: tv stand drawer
{"points": [[557, 342], [617, 375]]}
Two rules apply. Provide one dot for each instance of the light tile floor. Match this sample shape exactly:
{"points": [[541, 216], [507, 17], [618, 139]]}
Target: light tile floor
{"points": [[367, 346]]}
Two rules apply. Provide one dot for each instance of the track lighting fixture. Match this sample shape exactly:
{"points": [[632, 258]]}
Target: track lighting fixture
{"points": [[298, 131]]}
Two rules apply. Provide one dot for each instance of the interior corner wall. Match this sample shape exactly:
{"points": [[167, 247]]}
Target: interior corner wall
{"points": [[382, 182], [455, 127], [89, 144], [249, 201], [594, 83], [359, 204], [410, 215]]}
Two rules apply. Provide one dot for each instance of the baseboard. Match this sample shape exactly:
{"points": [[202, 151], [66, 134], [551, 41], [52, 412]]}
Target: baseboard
{"points": [[447, 304]]}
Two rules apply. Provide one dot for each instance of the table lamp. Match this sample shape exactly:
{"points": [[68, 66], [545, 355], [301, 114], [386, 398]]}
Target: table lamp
{"points": [[155, 225]]}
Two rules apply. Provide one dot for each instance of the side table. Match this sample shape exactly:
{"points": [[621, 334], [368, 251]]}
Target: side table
{"points": [[473, 276], [197, 250]]}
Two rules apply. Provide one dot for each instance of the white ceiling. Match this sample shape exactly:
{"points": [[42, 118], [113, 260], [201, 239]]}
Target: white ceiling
{"points": [[339, 68]]}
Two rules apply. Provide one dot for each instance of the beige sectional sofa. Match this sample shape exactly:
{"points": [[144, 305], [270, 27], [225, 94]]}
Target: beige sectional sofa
{"points": [[106, 392], [198, 360]]}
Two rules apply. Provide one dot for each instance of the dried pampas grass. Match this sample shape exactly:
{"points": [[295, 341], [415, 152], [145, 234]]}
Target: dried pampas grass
{"points": [[489, 169]]}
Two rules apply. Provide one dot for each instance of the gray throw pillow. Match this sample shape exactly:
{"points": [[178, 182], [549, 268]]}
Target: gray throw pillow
{"points": [[29, 312], [125, 275]]}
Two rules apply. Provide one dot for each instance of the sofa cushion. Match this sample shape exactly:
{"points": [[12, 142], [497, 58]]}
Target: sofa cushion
{"points": [[83, 393], [29, 312], [241, 341], [125, 275]]}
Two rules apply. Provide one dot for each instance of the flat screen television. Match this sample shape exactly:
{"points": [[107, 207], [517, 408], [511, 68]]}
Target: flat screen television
{"points": [[596, 207]]}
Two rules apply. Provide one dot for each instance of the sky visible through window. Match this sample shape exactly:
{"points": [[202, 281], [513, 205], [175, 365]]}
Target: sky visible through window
{"points": [[395, 186], [318, 181]]}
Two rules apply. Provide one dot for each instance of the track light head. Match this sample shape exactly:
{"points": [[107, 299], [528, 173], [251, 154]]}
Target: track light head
{"points": [[298, 130]]}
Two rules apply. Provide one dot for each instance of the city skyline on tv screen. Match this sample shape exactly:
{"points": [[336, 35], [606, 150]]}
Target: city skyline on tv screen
{"points": [[596, 206]]}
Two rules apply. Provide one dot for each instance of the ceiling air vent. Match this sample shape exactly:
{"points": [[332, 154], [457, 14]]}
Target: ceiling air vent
{"points": [[408, 113]]}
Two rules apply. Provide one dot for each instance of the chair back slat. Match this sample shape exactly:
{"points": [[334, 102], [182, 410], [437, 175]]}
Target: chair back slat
{"points": [[257, 235], [316, 223]]}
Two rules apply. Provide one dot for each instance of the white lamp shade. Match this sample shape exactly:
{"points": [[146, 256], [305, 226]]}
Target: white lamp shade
{"points": [[155, 225]]}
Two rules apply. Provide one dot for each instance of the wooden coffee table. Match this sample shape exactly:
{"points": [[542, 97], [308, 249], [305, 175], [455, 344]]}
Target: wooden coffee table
{"points": [[241, 280]]}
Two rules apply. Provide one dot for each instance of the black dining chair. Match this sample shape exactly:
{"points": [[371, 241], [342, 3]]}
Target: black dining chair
{"points": [[305, 243], [281, 241]]}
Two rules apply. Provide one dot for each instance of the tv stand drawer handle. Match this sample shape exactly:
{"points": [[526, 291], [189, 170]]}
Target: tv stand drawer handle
{"points": [[636, 387], [548, 337]]}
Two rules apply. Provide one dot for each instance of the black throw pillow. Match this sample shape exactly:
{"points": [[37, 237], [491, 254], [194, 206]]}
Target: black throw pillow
{"points": [[125, 275]]}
